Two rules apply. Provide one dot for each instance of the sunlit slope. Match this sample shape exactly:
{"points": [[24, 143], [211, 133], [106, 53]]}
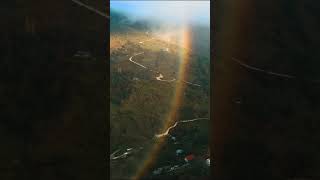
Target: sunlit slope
{"points": [[140, 103]]}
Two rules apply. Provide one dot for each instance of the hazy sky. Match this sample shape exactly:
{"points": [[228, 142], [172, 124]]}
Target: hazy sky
{"points": [[166, 11]]}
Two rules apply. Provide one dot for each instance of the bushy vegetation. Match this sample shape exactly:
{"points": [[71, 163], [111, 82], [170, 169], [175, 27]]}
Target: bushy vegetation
{"points": [[140, 104]]}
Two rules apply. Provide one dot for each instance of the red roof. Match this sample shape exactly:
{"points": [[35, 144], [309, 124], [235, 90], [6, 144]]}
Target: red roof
{"points": [[189, 157]]}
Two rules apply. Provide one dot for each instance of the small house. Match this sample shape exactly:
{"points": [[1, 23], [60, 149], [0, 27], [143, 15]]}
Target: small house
{"points": [[157, 171], [208, 162], [189, 158], [179, 151], [173, 138]]}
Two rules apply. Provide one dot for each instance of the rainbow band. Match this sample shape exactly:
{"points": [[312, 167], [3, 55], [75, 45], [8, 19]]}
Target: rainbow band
{"points": [[185, 42]]}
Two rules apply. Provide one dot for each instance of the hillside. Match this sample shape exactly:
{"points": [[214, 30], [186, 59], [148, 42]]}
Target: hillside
{"points": [[140, 102]]}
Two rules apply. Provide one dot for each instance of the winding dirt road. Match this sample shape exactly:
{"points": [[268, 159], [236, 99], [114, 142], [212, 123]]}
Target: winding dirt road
{"points": [[166, 133], [160, 76], [141, 42], [130, 59]]}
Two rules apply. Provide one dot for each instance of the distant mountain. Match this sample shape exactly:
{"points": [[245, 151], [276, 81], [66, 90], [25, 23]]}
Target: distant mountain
{"points": [[120, 23]]}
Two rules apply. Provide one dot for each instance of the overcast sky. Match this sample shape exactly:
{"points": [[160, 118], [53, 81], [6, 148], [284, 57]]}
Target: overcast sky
{"points": [[177, 12]]}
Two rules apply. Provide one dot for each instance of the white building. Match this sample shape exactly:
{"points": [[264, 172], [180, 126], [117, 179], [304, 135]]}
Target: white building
{"points": [[208, 162]]}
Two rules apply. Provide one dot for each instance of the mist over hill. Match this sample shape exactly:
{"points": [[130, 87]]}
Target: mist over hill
{"points": [[141, 49], [200, 34]]}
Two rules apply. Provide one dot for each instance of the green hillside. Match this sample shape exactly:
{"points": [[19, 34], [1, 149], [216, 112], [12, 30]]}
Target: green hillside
{"points": [[140, 103]]}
